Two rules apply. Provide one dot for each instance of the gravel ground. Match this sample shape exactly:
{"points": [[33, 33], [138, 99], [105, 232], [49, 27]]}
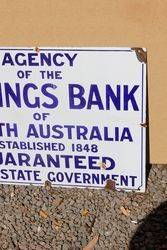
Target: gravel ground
{"points": [[67, 219]]}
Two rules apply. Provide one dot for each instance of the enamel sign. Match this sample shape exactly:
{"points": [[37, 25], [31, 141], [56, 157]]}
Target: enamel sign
{"points": [[73, 117]]}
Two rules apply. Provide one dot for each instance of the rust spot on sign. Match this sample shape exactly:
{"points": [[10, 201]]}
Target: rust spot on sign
{"points": [[102, 165], [143, 125], [141, 54], [110, 185], [37, 49]]}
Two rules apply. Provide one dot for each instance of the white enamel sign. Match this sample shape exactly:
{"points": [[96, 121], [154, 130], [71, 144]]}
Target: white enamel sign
{"points": [[72, 116]]}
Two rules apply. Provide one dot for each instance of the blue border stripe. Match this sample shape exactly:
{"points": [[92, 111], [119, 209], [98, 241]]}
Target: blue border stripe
{"points": [[18, 50], [102, 50], [60, 184], [142, 148]]}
